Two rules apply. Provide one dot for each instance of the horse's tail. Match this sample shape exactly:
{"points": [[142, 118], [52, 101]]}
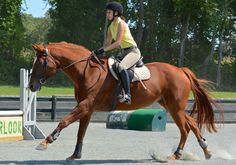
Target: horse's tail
{"points": [[203, 102]]}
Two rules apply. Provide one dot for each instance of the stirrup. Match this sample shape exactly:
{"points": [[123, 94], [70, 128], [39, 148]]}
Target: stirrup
{"points": [[126, 98], [121, 95]]}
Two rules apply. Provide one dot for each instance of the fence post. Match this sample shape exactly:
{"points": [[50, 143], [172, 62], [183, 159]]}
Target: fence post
{"points": [[54, 106]]}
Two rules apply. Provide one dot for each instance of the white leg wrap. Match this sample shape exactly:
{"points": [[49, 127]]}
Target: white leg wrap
{"points": [[203, 143]]}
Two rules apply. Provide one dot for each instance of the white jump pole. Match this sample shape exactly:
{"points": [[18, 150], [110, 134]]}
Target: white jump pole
{"points": [[28, 103]]}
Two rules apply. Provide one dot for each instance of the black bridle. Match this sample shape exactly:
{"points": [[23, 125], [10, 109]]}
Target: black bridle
{"points": [[41, 77], [42, 80]]}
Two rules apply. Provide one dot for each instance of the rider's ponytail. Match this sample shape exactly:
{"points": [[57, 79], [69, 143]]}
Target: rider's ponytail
{"points": [[123, 18]]}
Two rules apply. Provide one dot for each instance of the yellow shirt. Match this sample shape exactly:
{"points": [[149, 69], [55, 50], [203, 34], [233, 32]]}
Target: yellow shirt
{"points": [[127, 39]]}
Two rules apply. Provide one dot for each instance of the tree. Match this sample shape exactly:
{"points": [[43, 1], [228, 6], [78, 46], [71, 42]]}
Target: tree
{"points": [[225, 23], [36, 29], [11, 28], [186, 9], [149, 38], [166, 31], [77, 21], [139, 35], [179, 32]]}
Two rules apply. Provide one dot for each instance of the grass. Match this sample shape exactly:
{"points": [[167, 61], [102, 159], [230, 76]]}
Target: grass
{"points": [[45, 91], [69, 91], [224, 95], [219, 95]]}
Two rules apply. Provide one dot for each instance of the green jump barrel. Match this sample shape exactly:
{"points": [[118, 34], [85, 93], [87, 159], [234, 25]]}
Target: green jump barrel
{"points": [[147, 120], [142, 119]]}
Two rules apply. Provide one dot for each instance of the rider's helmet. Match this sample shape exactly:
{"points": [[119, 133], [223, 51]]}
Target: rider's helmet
{"points": [[115, 6]]}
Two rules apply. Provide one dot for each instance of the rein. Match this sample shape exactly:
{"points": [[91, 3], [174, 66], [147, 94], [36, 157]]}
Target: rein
{"points": [[47, 54], [86, 58], [73, 63], [42, 78]]}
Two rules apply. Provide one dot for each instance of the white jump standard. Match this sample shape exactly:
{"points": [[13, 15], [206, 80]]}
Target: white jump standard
{"points": [[28, 106]]}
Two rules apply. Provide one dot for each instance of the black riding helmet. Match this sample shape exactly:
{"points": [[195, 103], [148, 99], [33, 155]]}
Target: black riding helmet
{"points": [[115, 6]]}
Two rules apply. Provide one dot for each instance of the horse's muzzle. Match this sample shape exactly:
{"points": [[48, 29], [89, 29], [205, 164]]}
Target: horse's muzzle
{"points": [[34, 86]]}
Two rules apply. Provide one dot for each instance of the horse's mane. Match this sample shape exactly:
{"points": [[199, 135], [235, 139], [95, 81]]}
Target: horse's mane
{"points": [[68, 45]]}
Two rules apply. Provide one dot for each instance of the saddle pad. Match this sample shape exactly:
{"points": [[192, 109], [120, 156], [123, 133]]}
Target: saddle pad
{"points": [[141, 73]]}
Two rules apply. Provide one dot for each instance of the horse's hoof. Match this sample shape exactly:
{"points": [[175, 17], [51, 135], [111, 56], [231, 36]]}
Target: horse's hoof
{"points": [[42, 146], [73, 157], [173, 157], [208, 155]]}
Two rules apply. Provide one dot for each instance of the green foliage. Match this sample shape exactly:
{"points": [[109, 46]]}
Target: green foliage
{"points": [[11, 40], [11, 28], [78, 21], [10, 70], [36, 29]]}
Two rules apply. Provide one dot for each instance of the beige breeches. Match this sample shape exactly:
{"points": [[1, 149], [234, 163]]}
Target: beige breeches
{"points": [[130, 58]]}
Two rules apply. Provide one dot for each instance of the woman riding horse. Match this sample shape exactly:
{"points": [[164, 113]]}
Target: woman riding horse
{"points": [[130, 54], [168, 85]]}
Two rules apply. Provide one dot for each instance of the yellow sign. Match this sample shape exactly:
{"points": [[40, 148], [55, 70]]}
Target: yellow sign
{"points": [[10, 126]]}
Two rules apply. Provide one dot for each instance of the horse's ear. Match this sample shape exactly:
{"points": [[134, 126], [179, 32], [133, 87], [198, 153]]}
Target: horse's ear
{"points": [[38, 48]]}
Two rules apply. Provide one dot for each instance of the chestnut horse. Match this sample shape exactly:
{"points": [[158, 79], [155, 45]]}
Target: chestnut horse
{"points": [[94, 89]]}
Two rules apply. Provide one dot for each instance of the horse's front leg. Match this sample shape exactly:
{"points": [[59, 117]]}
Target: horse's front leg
{"points": [[83, 125], [80, 111]]}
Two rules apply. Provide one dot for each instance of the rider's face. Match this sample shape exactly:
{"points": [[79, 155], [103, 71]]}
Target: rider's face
{"points": [[109, 14]]}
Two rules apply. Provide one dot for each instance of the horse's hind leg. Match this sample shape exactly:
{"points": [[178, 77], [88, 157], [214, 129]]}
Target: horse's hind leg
{"points": [[185, 123], [179, 118], [176, 110], [202, 142]]}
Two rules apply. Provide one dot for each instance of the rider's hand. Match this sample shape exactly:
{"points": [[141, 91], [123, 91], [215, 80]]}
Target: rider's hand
{"points": [[99, 52]]}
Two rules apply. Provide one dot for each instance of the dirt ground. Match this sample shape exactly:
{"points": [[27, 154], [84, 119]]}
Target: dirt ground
{"points": [[121, 147]]}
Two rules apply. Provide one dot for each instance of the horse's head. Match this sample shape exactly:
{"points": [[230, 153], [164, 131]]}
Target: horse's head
{"points": [[44, 66]]}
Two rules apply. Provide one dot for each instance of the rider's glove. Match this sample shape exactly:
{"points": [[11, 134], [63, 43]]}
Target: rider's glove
{"points": [[99, 52]]}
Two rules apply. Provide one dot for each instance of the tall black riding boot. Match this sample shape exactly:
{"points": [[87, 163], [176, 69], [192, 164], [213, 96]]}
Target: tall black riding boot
{"points": [[126, 84]]}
